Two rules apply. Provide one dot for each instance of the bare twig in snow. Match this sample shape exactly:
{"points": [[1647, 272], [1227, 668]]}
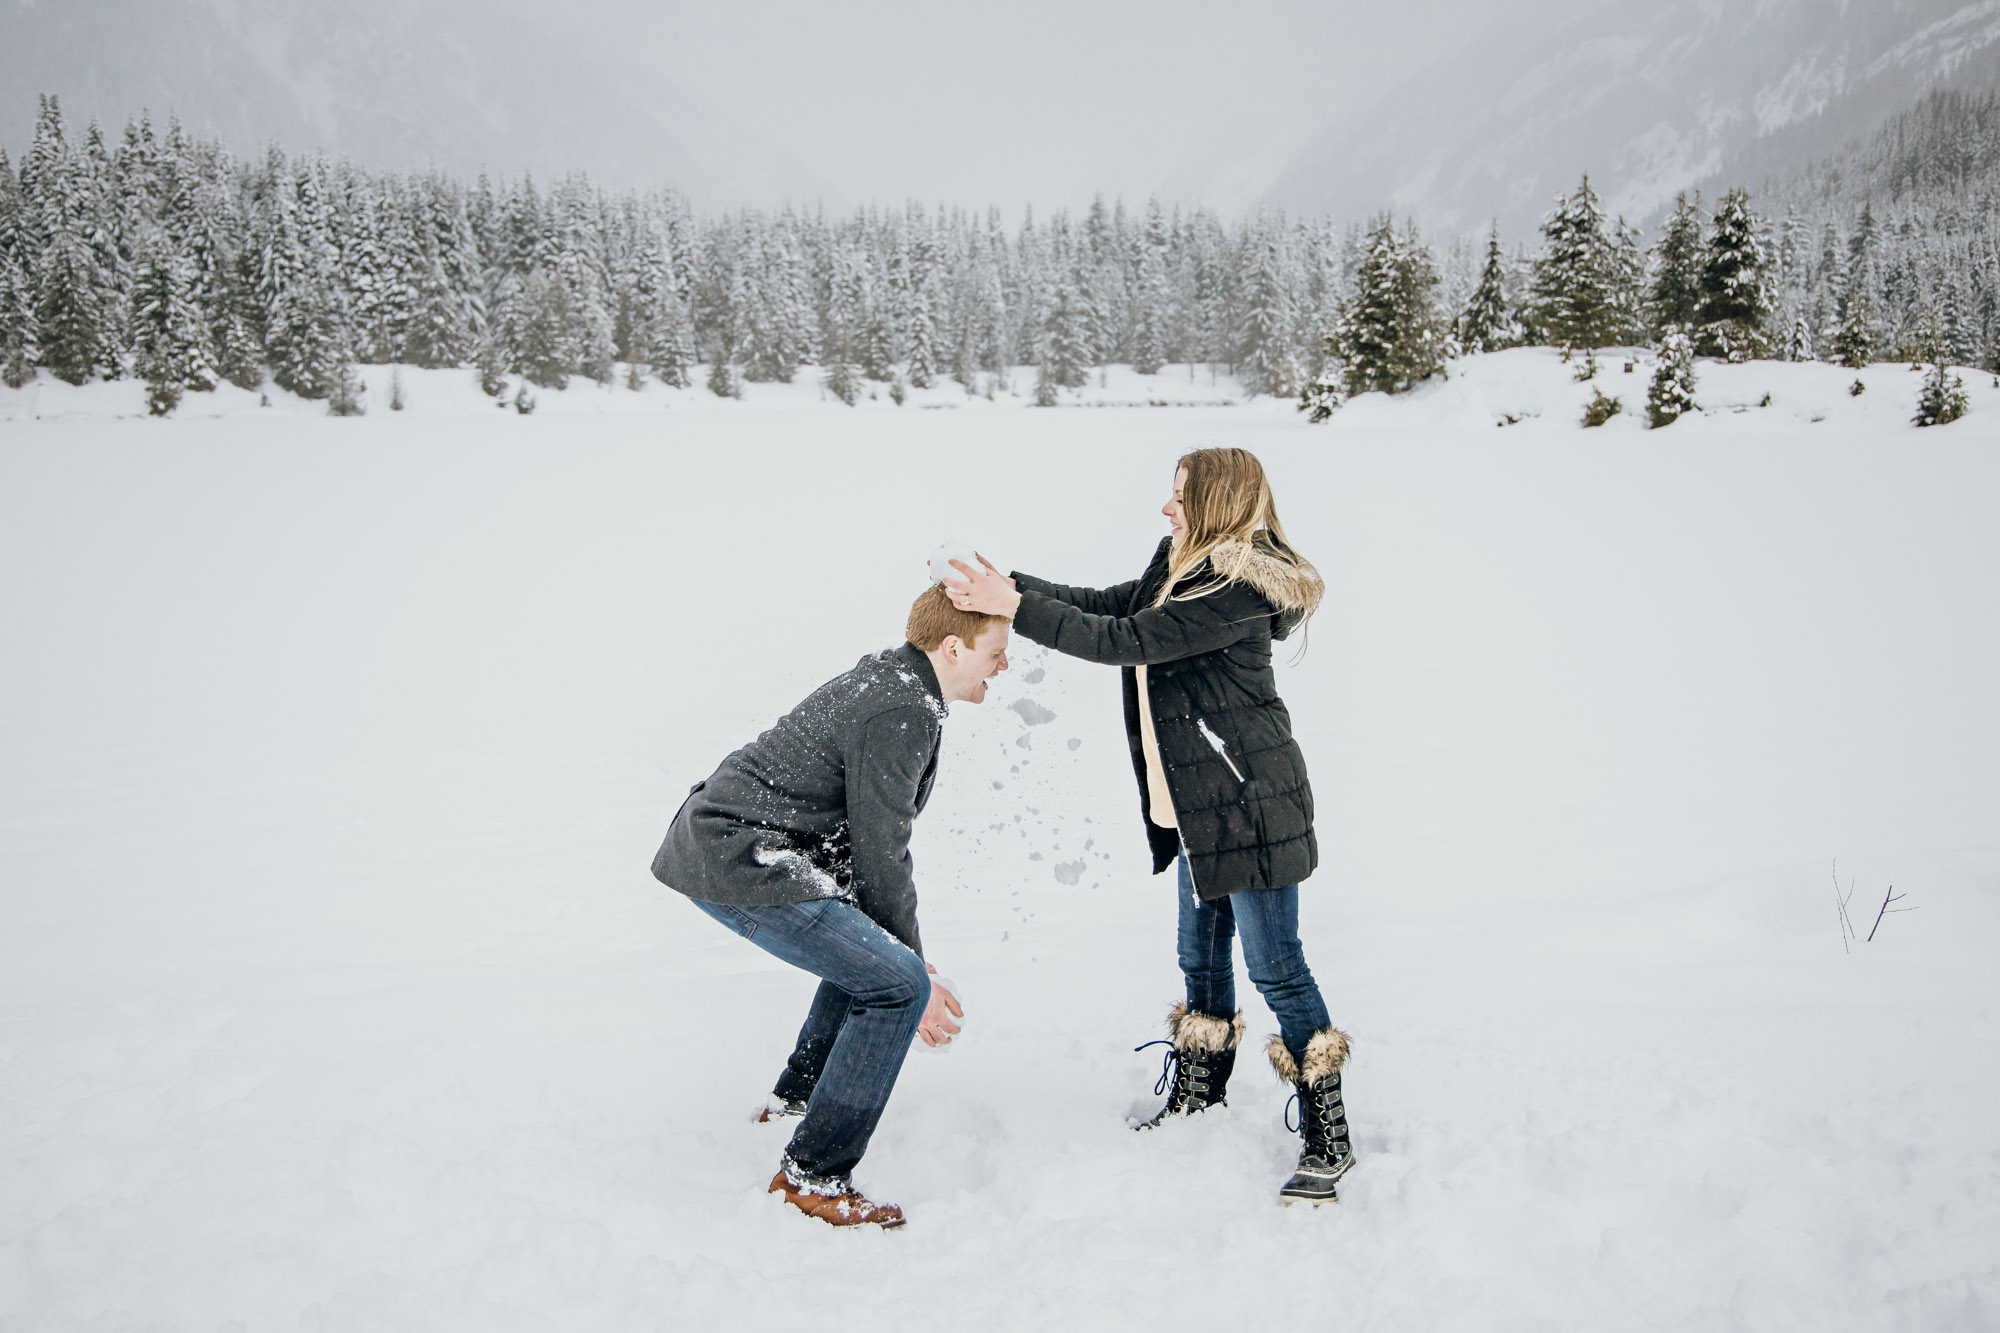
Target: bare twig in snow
{"points": [[1891, 897], [1840, 905]]}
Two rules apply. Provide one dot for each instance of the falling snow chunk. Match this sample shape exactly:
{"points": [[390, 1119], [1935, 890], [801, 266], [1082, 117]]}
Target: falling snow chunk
{"points": [[1032, 713], [1075, 742], [1069, 872], [1035, 677]]}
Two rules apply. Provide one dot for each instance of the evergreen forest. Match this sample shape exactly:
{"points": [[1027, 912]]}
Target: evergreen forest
{"points": [[164, 257]]}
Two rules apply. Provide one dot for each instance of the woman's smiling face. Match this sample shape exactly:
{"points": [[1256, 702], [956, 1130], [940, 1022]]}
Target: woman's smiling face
{"points": [[1176, 515]]}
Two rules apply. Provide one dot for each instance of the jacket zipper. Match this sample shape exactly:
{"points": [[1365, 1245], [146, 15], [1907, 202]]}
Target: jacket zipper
{"points": [[1221, 747]]}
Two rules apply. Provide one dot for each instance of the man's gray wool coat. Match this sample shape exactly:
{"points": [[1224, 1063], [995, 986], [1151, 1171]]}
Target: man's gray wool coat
{"points": [[821, 805]]}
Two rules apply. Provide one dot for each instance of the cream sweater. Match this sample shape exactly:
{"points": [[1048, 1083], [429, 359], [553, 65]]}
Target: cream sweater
{"points": [[1158, 798]]}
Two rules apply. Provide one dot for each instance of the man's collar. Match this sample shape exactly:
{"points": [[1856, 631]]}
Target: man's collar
{"points": [[920, 661]]}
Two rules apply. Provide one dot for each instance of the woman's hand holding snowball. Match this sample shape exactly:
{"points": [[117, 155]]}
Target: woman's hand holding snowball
{"points": [[986, 591]]}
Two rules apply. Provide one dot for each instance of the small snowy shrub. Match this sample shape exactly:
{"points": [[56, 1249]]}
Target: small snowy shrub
{"points": [[1856, 389], [397, 402], [842, 380], [1943, 400], [1321, 397], [1600, 409], [492, 375], [721, 380], [899, 392], [1588, 370], [524, 402], [162, 397], [1672, 391], [1045, 388], [343, 395]]}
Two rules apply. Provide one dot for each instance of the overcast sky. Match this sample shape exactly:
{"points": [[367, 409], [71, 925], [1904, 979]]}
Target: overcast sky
{"points": [[1040, 101]]}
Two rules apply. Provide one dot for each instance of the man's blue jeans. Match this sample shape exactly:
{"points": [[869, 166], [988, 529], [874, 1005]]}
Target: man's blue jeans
{"points": [[1268, 920], [871, 998]]}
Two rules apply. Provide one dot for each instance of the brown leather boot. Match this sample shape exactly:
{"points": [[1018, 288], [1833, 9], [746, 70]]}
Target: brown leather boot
{"points": [[841, 1210]]}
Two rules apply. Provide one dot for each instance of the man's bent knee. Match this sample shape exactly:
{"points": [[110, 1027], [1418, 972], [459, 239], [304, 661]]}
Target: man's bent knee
{"points": [[914, 983], [903, 982]]}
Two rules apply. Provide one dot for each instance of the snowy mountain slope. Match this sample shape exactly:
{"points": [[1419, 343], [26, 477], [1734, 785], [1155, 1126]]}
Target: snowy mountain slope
{"points": [[459, 83], [1649, 99]]}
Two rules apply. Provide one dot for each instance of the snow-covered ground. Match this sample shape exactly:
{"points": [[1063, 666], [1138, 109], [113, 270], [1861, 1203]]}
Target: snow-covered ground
{"points": [[334, 993]]}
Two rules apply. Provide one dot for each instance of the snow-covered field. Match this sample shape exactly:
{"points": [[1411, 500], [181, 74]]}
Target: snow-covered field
{"points": [[335, 995]]}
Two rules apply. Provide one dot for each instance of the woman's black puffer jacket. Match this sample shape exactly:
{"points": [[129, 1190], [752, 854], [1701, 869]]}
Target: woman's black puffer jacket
{"points": [[1238, 779]]}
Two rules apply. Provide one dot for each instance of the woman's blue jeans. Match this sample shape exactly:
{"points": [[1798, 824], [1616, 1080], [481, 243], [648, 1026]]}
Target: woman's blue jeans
{"points": [[871, 999], [1268, 920]]}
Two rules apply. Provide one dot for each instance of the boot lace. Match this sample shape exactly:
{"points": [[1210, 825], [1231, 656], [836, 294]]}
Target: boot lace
{"points": [[1170, 1068]]}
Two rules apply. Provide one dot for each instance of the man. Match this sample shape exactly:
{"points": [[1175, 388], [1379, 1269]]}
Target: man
{"points": [[800, 843]]}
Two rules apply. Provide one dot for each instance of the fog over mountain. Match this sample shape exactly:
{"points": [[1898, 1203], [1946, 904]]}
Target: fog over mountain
{"points": [[1650, 99], [463, 84], [1456, 111], [1048, 103]]}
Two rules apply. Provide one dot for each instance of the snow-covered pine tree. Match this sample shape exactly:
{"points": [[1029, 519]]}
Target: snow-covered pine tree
{"points": [[840, 371], [170, 344], [207, 231], [305, 336], [1267, 356], [1487, 323], [1045, 385], [1671, 394], [19, 350], [922, 335], [1943, 399], [578, 266], [793, 303], [1151, 298], [1734, 317], [671, 340], [446, 312], [95, 177], [343, 384], [722, 380], [543, 327], [489, 358], [1673, 300], [1960, 334], [1389, 335], [1576, 299], [73, 336], [1067, 354], [1854, 339]]}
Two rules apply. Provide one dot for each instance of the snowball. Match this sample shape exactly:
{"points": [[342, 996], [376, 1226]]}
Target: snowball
{"points": [[947, 552]]}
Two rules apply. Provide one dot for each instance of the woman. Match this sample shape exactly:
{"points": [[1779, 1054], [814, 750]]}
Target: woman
{"points": [[1222, 784]]}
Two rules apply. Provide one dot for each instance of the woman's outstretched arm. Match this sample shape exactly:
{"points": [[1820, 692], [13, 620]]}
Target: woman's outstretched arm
{"points": [[1156, 634], [1095, 601]]}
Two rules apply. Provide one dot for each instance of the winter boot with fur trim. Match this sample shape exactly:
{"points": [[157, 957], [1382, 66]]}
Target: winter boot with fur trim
{"points": [[1201, 1052], [1327, 1153]]}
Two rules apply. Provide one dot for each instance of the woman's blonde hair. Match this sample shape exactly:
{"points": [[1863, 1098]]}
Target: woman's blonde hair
{"points": [[1226, 498]]}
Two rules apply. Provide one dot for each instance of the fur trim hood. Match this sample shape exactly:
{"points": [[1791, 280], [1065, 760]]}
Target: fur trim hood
{"points": [[1326, 1052], [1293, 590]]}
